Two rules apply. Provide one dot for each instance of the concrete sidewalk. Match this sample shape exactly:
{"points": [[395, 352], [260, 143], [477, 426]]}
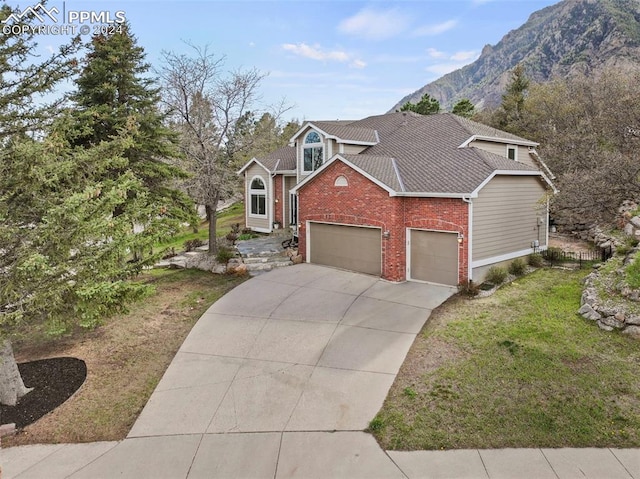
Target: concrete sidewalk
{"points": [[278, 379]]}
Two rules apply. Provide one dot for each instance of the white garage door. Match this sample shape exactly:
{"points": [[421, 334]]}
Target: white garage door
{"points": [[354, 248], [433, 256]]}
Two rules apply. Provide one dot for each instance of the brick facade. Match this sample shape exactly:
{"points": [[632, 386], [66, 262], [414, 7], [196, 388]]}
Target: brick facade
{"points": [[277, 195], [364, 203]]}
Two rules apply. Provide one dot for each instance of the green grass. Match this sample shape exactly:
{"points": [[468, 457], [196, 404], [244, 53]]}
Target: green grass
{"points": [[633, 273], [232, 215], [520, 369]]}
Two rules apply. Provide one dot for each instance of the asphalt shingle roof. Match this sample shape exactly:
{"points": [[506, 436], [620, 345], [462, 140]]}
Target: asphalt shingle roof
{"points": [[415, 153], [282, 159], [426, 150], [347, 132]]}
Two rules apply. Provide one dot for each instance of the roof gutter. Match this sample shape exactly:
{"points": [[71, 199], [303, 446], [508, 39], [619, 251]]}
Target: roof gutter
{"points": [[495, 139]]}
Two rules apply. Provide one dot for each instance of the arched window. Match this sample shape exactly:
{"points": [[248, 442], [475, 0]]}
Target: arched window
{"points": [[258, 195], [312, 152], [341, 181]]}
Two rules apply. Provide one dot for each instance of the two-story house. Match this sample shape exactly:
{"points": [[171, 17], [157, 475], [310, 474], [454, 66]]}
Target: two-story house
{"points": [[403, 196]]}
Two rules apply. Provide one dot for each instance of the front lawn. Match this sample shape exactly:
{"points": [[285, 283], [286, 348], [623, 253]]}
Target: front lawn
{"points": [[227, 217], [125, 357], [517, 369]]}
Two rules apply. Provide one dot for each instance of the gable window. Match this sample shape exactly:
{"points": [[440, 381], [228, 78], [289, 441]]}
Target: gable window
{"points": [[512, 152], [258, 195], [312, 154]]}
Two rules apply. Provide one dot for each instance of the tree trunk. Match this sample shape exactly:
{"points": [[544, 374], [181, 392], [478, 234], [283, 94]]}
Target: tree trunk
{"points": [[212, 217], [12, 387]]}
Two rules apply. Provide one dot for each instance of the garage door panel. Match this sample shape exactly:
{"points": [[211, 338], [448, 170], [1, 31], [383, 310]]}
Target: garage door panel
{"points": [[346, 247], [434, 257]]}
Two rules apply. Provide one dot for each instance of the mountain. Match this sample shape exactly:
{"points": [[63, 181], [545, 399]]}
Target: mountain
{"points": [[573, 36]]}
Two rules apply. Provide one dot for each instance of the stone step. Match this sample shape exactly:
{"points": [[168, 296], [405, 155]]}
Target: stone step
{"points": [[265, 259], [264, 267]]}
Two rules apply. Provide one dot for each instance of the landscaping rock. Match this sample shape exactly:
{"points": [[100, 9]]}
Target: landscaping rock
{"points": [[587, 312], [297, 259], [613, 322], [633, 331], [603, 326], [202, 261], [633, 320]]}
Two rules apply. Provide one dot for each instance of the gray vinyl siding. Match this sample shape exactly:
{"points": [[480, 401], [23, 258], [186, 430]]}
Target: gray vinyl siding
{"points": [[501, 149], [352, 149], [505, 216], [253, 222]]}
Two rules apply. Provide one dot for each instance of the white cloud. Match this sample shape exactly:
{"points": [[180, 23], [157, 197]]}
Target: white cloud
{"points": [[435, 29], [252, 44], [455, 61], [375, 24], [434, 53], [317, 53], [464, 56]]}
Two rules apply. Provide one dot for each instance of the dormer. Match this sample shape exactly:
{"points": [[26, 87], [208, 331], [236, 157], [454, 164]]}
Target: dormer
{"points": [[513, 148], [317, 142]]}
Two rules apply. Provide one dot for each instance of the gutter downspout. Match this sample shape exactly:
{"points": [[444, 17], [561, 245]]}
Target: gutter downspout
{"points": [[467, 199]]}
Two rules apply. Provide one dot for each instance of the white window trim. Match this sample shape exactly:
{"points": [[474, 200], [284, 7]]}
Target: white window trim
{"points": [[306, 145], [515, 148], [258, 192]]}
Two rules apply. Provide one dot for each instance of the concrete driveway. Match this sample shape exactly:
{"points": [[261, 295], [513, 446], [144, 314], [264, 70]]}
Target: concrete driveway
{"points": [[278, 379], [269, 374]]}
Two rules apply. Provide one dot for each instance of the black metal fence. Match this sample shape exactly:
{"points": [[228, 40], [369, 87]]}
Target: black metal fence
{"points": [[556, 255]]}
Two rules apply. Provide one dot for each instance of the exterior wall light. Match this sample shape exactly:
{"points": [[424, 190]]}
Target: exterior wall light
{"points": [[460, 238], [386, 234]]}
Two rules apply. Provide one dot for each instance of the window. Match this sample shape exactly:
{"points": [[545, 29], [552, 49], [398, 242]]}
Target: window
{"points": [[341, 181], [312, 156], [512, 152], [258, 194]]}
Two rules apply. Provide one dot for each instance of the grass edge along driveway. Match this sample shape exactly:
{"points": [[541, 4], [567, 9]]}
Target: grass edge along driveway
{"points": [[517, 369]]}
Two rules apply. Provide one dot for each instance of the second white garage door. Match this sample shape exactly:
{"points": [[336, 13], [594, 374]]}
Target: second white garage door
{"points": [[433, 256], [355, 248]]}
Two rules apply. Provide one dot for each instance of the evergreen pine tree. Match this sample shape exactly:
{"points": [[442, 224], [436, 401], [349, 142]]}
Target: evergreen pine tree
{"points": [[115, 95]]}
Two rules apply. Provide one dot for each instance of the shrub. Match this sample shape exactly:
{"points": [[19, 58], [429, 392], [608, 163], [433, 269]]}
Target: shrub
{"points": [[190, 245], [224, 254], [536, 260], [246, 236], [232, 237], [469, 288], [496, 275], [518, 267]]}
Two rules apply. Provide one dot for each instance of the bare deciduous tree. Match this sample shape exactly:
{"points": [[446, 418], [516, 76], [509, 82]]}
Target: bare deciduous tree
{"points": [[206, 106], [589, 130]]}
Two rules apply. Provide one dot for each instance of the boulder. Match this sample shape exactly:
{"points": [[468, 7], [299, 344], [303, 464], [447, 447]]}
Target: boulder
{"points": [[587, 312], [633, 331], [612, 322], [603, 326], [297, 259], [633, 319]]}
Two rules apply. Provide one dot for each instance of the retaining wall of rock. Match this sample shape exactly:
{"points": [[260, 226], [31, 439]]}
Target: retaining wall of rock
{"points": [[611, 315]]}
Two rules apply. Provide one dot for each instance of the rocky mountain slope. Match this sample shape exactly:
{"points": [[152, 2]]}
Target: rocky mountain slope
{"points": [[573, 36]]}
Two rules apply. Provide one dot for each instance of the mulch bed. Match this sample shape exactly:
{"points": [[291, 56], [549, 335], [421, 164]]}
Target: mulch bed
{"points": [[54, 381]]}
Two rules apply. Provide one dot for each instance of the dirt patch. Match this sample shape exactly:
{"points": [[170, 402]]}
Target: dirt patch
{"points": [[569, 243]]}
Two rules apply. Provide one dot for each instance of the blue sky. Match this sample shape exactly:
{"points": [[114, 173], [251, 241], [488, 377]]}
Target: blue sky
{"points": [[330, 59]]}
